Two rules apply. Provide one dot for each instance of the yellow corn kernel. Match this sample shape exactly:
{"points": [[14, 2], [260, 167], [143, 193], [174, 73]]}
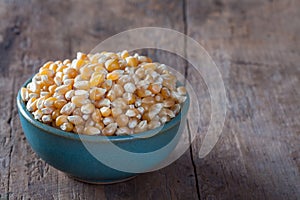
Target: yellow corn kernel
{"points": [[49, 101], [155, 88], [53, 67], [143, 93], [63, 89], [129, 98], [96, 116], [71, 72], [82, 85], [144, 59], [105, 111], [52, 88], [113, 76], [169, 103], [111, 95], [90, 130], [97, 79], [97, 93], [116, 112], [81, 55], [151, 66], [99, 125], [110, 129], [40, 103], [181, 90], [124, 54], [100, 68], [55, 114], [78, 129], [88, 108], [24, 94], [46, 65], [158, 97], [61, 68], [31, 104], [78, 100], [47, 72], [165, 92], [67, 126], [66, 61], [132, 61], [76, 119], [59, 103], [122, 120], [107, 84], [61, 119], [112, 64], [79, 63], [148, 100]]}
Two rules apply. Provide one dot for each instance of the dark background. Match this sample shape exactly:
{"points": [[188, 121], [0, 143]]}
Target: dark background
{"points": [[256, 45]]}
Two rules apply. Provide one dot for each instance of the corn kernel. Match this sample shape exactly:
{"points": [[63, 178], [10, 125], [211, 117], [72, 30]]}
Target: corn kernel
{"points": [[124, 54], [132, 61], [96, 116], [49, 102], [67, 109], [80, 100], [63, 89], [82, 85], [61, 119], [91, 130], [55, 114], [97, 93], [59, 103], [75, 119], [24, 94], [66, 127], [115, 75], [88, 108], [110, 129], [122, 120], [97, 79], [105, 111], [112, 64]]}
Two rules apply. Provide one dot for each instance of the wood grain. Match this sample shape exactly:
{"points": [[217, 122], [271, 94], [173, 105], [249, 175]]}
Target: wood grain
{"points": [[256, 46]]}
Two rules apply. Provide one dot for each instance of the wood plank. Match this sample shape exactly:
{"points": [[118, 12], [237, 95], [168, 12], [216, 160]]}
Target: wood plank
{"points": [[257, 157]]}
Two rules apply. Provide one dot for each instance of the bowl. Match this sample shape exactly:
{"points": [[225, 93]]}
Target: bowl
{"points": [[93, 159]]}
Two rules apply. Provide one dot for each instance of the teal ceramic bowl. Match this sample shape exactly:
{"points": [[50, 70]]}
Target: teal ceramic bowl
{"points": [[94, 159]]}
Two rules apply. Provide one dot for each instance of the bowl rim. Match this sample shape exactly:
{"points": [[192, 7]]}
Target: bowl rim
{"points": [[99, 138]]}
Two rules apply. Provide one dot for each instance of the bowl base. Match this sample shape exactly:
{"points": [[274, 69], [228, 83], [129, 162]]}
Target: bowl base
{"points": [[104, 182]]}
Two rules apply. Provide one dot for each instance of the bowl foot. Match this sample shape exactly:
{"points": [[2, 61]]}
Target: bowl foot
{"points": [[103, 182]]}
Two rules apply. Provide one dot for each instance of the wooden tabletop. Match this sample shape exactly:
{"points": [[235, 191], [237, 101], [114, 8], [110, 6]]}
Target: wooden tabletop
{"points": [[255, 44]]}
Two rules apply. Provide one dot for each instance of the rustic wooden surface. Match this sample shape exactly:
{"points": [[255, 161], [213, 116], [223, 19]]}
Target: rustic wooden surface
{"points": [[256, 45]]}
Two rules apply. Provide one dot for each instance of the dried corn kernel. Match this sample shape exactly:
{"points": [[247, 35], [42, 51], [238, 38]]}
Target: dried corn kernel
{"points": [[132, 61], [112, 64], [122, 120], [75, 119], [105, 111], [110, 129], [61, 119], [66, 127]]}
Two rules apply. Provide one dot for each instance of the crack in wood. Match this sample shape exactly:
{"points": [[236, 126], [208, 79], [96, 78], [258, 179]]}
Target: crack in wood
{"points": [[10, 136], [193, 162]]}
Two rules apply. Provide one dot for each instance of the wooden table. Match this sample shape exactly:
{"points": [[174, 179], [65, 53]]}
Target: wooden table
{"points": [[256, 45]]}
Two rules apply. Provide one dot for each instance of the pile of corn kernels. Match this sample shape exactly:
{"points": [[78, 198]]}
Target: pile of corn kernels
{"points": [[104, 94]]}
